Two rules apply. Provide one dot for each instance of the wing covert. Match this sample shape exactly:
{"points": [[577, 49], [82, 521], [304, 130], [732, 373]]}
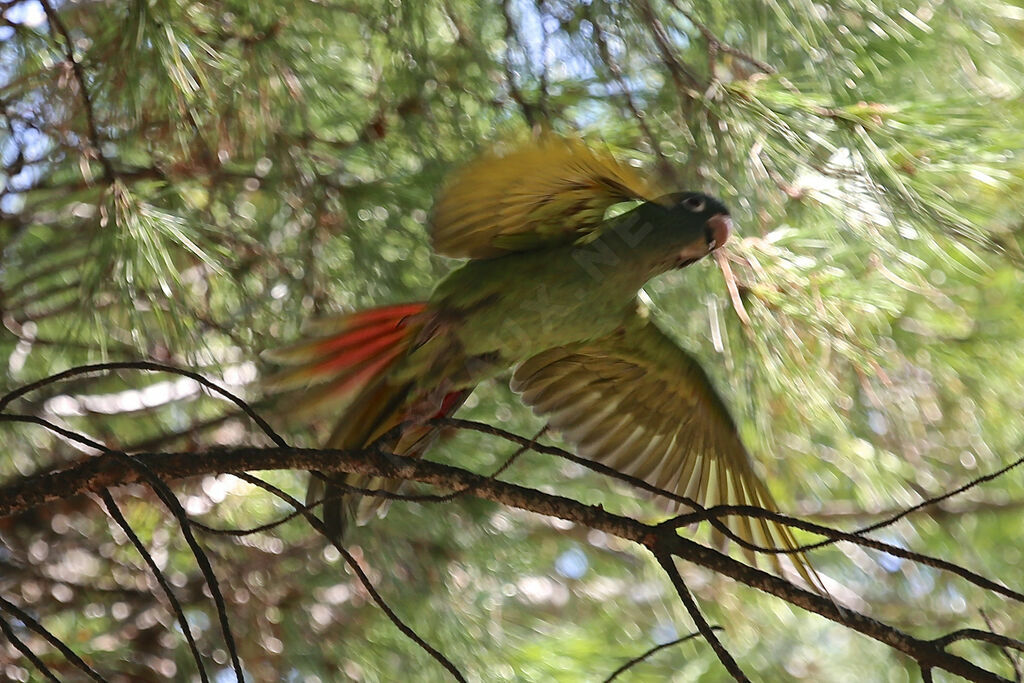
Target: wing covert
{"points": [[549, 191]]}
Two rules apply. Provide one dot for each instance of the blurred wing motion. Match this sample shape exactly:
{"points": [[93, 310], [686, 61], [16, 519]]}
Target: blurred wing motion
{"points": [[638, 403], [540, 194]]}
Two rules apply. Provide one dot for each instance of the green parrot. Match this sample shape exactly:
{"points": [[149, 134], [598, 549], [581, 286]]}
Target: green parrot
{"points": [[551, 290]]}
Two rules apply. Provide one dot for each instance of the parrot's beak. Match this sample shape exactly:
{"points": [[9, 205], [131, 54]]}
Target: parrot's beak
{"points": [[718, 229], [716, 233]]}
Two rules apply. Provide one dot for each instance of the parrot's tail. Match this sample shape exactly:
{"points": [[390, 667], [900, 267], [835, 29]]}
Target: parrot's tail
{"points": [[384, 415], [344, 354], [346, 365]]}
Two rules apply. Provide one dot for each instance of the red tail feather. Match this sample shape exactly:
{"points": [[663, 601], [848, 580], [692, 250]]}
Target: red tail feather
{"points": [[390, 314], [362, 374], [352, 353], [353, 337], [356, 348]]}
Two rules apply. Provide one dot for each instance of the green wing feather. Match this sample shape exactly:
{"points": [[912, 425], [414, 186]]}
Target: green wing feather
{"points": [[539, 194], [638, 403]]}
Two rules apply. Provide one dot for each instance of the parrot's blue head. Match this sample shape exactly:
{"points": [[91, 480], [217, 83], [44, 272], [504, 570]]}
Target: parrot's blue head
{"points": [[701, 222]]}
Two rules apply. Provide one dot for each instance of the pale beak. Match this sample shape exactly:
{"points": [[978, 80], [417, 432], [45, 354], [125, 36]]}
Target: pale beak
{"points": [[718, 228]]}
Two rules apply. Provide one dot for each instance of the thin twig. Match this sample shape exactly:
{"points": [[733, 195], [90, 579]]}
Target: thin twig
{"points": [[174, 506], [363, 578], [167, 496], [1015, 660], [977, 634], [712, 514], [657, 648], [513, 88], [606, 56], [592, 465], [730, 285], [179, 613], [667, 563], [26, 650], [69, 654], [69, 52], [719, 45], [939, 498], [146, 365], [684, 78]]}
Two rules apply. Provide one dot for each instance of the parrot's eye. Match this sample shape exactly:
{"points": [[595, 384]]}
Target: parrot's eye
{"points": [[694, 204]]}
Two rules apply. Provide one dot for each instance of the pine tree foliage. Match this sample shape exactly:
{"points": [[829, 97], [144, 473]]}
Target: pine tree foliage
{"points": [[187, 182]]}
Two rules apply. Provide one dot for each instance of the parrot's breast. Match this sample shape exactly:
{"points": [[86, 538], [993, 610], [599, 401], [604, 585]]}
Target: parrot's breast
{"points": [[513, 307]]}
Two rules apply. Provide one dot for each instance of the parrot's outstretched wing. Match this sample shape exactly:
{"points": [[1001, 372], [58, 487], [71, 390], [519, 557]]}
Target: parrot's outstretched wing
{"points": [[638, 403], [539, 194]]}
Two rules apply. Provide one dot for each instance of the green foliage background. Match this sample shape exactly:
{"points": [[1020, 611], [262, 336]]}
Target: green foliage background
{"points": [[246, 166]]}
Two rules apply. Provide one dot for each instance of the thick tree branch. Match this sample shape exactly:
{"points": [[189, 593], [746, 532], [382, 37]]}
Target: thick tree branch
{"points": [[107, 470]]}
